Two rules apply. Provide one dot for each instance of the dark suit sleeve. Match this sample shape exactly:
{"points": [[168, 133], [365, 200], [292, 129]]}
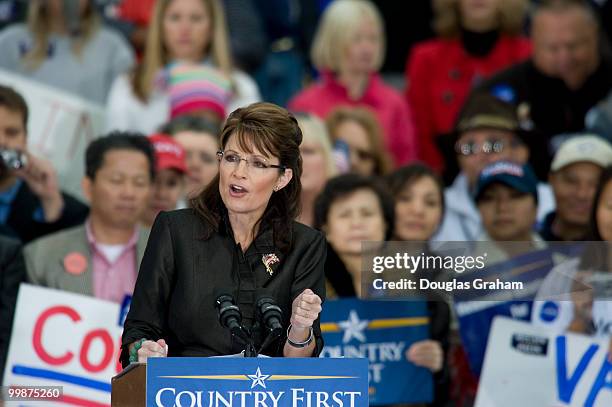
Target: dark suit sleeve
{"points": [[439, 314], [12, 269], [310, 273], [23, 220], [149, 307]]}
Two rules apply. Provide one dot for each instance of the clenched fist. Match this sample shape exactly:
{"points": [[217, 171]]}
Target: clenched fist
{"points": [[305, 309]]}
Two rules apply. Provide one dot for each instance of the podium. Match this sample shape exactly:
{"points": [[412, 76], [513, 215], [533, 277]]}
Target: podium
{"points": [[129, 387], [243, 381]]}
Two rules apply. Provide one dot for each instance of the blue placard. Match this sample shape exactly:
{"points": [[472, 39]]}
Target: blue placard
{"points": [[264, 382], [382, 332], [476, 314]]}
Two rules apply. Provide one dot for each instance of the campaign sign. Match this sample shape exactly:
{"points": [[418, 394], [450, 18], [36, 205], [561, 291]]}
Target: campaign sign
{"points": [[64, 339], [262, 382], [476, 313], [60, 126], [381, 332], [528, 366]]}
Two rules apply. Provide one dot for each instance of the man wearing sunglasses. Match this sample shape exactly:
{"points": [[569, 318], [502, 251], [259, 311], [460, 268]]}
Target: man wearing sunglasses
{"points": [[486, 131]]}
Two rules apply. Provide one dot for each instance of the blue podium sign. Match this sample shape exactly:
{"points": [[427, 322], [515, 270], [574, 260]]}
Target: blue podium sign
{"points": [[382, 332], [261, 382]]}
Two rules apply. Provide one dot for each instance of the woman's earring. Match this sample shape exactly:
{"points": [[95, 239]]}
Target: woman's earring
{"points": [[275, 188]]}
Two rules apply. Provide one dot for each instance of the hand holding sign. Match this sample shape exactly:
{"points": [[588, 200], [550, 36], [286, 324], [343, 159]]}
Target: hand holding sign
{"points": [[582, 299], [427, 353]]}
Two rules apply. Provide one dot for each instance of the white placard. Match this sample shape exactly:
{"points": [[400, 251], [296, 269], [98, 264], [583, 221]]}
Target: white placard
{"points": [[64, 339], [528, 366], [60, 127]]}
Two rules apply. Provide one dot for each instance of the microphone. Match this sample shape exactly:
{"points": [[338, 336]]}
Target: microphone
{"points": [[270, 313], [230, 317], [229, 314]]}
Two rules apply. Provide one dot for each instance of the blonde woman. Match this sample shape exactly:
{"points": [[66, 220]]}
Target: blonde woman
{"points": [[476, 38], [348, 50], [190, 31], [64, 45], [359, 129], [317, 161]]}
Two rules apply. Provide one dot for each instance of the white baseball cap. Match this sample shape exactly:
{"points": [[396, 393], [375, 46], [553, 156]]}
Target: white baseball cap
{"points": [[585, 147]]}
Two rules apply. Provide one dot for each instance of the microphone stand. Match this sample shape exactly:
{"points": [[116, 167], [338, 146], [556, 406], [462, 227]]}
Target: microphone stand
{"points": [[273, 335], [242, 334]]}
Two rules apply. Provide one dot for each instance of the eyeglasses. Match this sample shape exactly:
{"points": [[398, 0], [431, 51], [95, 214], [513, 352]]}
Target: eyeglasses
{"points": [[256, 163], [486, 147]]}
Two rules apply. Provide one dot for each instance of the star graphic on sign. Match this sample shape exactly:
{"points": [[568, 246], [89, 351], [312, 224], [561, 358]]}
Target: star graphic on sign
{"points": [[258, 379], [353, 327]]}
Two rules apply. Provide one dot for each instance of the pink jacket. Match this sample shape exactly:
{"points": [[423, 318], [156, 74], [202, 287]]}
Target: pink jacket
{"points": [[390, 107]]}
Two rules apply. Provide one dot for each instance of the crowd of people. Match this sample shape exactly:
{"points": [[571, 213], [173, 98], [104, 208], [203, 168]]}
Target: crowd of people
{"points": [[501, 132]]}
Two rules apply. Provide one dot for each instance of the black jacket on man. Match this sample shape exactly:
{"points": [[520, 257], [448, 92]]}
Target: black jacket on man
{"points": [[12, 273], [547, 105], [22, 225]]}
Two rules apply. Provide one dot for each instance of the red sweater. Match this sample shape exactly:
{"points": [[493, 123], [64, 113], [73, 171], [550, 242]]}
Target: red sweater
{"points": [[440, 75], [391, 109]]}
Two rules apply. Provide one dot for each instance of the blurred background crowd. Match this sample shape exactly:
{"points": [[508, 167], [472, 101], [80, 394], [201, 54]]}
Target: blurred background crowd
{"points": [[441, 120]]}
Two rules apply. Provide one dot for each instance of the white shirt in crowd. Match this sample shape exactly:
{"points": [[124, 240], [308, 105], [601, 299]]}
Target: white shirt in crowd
{"points": [[126, 112], [90, 75]]}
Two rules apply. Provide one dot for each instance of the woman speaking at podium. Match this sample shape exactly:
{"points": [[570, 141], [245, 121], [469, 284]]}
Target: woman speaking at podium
{"points": [[238, 239]]}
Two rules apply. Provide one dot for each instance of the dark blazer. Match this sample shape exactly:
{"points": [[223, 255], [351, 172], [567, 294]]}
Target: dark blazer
{"points": [[182, 274], [22, 224], [550, 105], [12, 273]]}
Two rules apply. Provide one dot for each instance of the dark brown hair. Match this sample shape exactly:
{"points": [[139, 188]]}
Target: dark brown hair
{"points": [[407, 175], [595, 256], [13, 101], [346, 184], [274, 132], [447, 17]]}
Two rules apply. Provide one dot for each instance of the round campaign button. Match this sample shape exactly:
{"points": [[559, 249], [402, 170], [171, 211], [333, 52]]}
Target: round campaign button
{"points": [[549, 312], [75, 263]]}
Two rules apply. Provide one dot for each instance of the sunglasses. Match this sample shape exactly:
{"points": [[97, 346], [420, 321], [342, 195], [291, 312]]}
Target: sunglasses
{"points": [[491, 146]]}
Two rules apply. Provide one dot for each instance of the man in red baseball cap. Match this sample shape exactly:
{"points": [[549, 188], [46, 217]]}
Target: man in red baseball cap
{"points": [[169, 177]]}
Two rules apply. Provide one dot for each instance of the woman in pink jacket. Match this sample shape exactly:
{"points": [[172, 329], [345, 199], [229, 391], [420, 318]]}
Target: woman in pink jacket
{"points": [[348, 50]]}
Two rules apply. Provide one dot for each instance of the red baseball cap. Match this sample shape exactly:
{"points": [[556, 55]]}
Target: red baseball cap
{"points": [[168, 153]]}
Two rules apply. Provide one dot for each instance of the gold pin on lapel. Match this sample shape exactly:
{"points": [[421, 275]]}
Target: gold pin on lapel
{"points": [[268, 260]]}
